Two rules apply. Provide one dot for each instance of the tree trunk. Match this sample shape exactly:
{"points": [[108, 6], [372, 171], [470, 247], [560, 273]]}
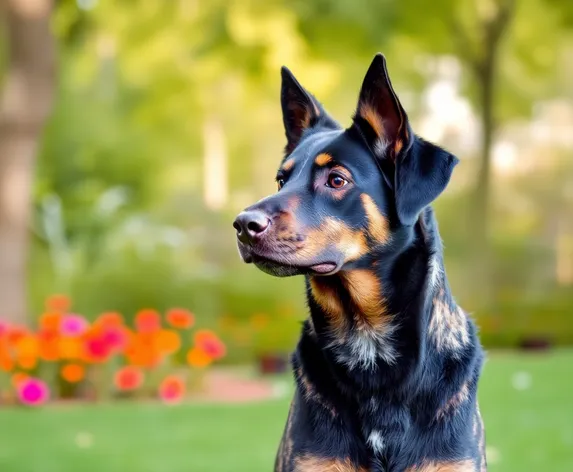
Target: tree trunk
{"points": [[25, 103], [494, 24], [481, 199]]}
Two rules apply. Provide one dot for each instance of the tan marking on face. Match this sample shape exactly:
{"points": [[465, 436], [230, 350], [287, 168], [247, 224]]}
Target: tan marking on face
{"points": [[309, 463], [288, 165], [448, 327], [332, 232], [454, 402], [373, 118], [378, 225], [311, 395], [365, 291], [453, 466], [322, 159]]}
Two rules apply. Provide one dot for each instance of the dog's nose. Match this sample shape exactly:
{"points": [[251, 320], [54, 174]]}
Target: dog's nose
{"points": [[250, 225]]}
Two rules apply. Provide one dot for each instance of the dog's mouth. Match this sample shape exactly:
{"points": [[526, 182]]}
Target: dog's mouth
{"points": [[280, 265]]}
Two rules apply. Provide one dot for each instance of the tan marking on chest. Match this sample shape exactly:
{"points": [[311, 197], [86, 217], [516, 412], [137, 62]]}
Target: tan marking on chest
{"points": [[325, 295], [378, 226], [308, 463], [455, 466], [365, 291]]}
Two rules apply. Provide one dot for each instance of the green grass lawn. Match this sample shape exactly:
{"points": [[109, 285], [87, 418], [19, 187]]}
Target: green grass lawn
{"points": [[527, 403]]}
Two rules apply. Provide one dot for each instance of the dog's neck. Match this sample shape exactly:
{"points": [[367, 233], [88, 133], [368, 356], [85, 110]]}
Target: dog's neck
{"points": [[377, 325]]}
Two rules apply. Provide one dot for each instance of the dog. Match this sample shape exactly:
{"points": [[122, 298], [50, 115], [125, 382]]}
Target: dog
{"points": [[387, 365]]}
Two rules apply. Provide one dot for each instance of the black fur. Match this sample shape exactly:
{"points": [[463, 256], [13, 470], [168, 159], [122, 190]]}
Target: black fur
{"points": [[387, 365]]}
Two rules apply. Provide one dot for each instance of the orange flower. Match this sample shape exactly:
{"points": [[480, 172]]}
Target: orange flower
{"points": [[180, 318], [167, 341], [128, 378], [147, 321], [73, 373], [48, 345], [198, 358], [172, 389], [17, 378], [27, 346], [50, 321], [6, 362], [210, 344], [15, 333], [69, 348], [109, 319], [58, 302]]}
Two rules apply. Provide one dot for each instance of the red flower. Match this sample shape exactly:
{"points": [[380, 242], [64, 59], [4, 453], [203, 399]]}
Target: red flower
{"points": [[96, 348], [172, 389], [180, 318], [147, 321], [128, 378]]}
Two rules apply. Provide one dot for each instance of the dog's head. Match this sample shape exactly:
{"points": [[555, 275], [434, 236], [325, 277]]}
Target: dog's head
{"points": [[344, 195]]}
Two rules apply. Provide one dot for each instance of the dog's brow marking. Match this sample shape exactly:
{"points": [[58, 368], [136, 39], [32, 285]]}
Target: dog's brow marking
{"points": [[448, 327], [452, 466], [452, 405], [288, 165], [309, 463], [376, 441], [322, 159], [378, 226]]}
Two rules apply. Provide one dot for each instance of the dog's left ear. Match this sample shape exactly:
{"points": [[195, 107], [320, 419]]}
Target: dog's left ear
{"points": [[421, 170], [301, 111]]}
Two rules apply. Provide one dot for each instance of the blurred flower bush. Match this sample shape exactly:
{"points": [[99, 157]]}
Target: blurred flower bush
{"points": [[67, 357]]}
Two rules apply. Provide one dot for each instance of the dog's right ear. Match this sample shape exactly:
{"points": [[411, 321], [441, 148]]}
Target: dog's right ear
{"points": [[301, 110]]}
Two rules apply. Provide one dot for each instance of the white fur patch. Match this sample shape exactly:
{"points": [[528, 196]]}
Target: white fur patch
{"points": [[376, 441], [434, 271], [366, 346], [380, 146]]}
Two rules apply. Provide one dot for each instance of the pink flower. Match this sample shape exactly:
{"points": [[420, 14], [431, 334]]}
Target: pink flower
{"points": [[33, 391], [73, 325], [115, 337]]}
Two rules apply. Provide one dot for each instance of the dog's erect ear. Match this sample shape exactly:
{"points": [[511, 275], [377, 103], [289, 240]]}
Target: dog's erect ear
{"points": [[421, 170], [301, 110], [379, 116]]}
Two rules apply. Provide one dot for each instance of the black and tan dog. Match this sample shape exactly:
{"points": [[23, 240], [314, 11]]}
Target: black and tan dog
{"points": [[387, 365]]}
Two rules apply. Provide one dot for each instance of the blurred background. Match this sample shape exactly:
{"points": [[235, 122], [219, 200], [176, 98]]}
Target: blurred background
{"points": [[132, 133]]}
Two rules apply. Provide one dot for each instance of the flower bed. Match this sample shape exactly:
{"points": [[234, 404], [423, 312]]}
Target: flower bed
{"points": [[67, 357]]}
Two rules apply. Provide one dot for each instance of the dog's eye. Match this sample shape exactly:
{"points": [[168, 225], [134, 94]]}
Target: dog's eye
{"points": [[280, 183], [335, 181]]}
